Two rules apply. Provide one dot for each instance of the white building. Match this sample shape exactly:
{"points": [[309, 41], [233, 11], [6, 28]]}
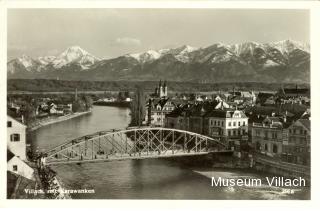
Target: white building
{"points": [[16, 149], [17, 166], [229, 125], [158, 112], [16, 137]]}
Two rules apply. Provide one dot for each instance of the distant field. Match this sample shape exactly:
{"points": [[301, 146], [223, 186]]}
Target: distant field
{"points": [[29, 86]]}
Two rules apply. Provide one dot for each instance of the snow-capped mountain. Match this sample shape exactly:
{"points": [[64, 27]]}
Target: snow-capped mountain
{"points": [[77, 55], [287, 46], [180, 53], [147, 56], [283, 61], [72, 56]]}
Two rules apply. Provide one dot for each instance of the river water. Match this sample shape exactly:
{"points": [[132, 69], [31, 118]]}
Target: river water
{"points": [[144, 179]]}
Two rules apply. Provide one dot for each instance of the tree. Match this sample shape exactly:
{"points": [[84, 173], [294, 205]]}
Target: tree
{"points": [[138, 107], [28, 113], [88, 102], [121, 96]]}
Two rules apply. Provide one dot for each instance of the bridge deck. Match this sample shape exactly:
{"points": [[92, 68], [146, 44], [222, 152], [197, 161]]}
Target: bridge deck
{"points": [[135, 157]]}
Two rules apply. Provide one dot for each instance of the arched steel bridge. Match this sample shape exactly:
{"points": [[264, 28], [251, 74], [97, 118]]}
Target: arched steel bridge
{"points": [[133, 143]]}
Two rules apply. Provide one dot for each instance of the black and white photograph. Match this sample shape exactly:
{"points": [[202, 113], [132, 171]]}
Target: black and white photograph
{"points": [[158, 103]]}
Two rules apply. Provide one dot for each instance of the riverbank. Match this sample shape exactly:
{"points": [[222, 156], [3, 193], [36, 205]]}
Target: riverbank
{"points": [[115, 104], [53, 120]]}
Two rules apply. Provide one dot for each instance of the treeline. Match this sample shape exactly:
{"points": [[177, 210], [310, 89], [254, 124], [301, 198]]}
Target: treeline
{"points": [[48, 85]]}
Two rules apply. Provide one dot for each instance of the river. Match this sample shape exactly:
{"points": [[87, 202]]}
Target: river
{"points": [[143, 179]]}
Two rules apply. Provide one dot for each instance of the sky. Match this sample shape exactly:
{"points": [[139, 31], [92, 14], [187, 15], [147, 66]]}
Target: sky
{"points": [[108, 33]]}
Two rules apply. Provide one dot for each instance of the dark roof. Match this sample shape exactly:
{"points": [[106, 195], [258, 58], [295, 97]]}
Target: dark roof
{"points": [[10, 155], [305, 123], [227, 113], [296, 91], [261, 110], [176, 112], [265, 95], [274, 119], [197, 109], [254, 118], [294, 108]]}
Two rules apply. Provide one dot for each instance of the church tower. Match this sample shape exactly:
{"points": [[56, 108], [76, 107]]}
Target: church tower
{"points": [[160, 89], [165, 89]]}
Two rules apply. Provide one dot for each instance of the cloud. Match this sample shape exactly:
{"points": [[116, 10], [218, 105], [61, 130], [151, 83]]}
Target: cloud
{"points": [[128, 41]]}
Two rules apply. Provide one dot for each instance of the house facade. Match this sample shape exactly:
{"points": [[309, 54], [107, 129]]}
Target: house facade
{"points": [[18, 166], [230, 126], [268, 138], [157, 110], [16, 137], [16, 149], [297, 148]]}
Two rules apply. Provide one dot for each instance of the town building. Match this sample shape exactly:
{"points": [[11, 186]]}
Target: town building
{"points": [[229, 125], [16, 137], [297, 148], [212, 119], [16, 149], [268, 136], [293, 92], [18, 166], [156, 111]]}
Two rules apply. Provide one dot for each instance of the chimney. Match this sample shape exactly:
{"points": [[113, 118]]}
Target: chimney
{"points": [[22, 119]]}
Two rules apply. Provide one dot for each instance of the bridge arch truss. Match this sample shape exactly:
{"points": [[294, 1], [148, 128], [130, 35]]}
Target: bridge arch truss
{"points": [[133, 143]]}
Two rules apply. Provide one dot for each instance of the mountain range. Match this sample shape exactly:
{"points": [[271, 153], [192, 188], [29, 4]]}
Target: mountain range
{"points": [[276, 62]]}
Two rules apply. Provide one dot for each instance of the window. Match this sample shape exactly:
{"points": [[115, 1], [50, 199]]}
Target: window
{"points": [[301, 140], [238, 123], [244, 123], [229, 133], [266, 134], [258, 146], [15, 137], [211, 122], [218, 123], [239, 132], [229, 124], [221, 123], [243, 132], [234, 123], [275, 148], [257, 132], [15, 168], [266, 147], [234, 132], [215, 123], [9, 124]]}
